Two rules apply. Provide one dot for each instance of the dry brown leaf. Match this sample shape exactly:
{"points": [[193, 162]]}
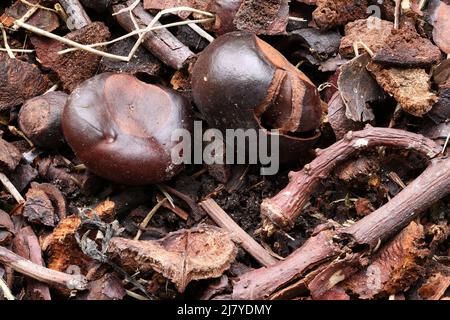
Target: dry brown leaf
{"points": [[357, 88], [200, 253]]}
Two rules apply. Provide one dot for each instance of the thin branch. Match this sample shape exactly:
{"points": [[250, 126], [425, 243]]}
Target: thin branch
{"points": [[398, 8], [40, 273], [139, 31], [223, 220], [6, 292], [283, 209], [11, 188], [149, 216], [5, 41]]}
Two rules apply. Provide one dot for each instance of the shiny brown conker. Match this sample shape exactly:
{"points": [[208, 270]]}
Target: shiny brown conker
{"points": [[121, 128], [240, 81]]}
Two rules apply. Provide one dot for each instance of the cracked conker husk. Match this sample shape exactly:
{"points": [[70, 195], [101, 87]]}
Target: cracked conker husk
{"points": [[121, 127], [240, 81]]}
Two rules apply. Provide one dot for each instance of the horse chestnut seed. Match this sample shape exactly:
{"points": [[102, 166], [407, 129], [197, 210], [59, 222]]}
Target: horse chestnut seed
{"points": [[121, 128], [240, 81]]}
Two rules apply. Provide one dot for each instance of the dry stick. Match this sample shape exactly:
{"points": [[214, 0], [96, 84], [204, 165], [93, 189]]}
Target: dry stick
{"points": [[286, 206], [6, 292], [147, 219], [5, 41], [11, 188], [139, 31], [77, 16], [40, 273], [163, 44], [17, 50], [283, 280], [397, 13], [223, 220]]}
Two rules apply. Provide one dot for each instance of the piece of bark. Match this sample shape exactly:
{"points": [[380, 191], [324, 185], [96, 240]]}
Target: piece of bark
{"points": [[407, 49], [439, 17], [284, 208], [373, 32], [435, 287], [75, 67], [331, 13], [166, 4], [143, 62], [262, 17], [394, 268], [410, 87], [441, 110], [161, 43], [43, 19], [9, 156], [44, 205], [108, 287], [23, 176], [19, 81], [40, 119], [77, 16], [358, 88], [361, 167], [183, 256], [340, 123], [322, 44], [26, 245]]}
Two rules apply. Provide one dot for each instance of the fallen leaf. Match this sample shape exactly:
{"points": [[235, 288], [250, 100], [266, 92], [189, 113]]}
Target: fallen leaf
{"points": [[357, 88], [183, 256]]}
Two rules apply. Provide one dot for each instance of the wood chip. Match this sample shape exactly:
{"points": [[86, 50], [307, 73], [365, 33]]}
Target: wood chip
{"points": [[410, 87]]}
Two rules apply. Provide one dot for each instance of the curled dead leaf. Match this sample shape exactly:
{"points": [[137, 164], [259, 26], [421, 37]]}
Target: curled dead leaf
{"points": [[183, 256]]}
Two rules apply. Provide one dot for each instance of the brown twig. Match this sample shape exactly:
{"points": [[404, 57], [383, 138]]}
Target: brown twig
{"points": [[77, 16], [161, 43], [343, 249], [398, 7], [40, 273], [223, 220], [11, 188], [285, 207]]}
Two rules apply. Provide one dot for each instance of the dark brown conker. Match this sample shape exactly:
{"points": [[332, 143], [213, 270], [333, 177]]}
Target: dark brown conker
{"points": [[40, 119], [240, 81], [121, 128]]}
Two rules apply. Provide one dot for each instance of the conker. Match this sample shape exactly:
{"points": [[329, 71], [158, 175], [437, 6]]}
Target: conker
{"points": [[40, 119], [240, 81], [121, 127]]}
